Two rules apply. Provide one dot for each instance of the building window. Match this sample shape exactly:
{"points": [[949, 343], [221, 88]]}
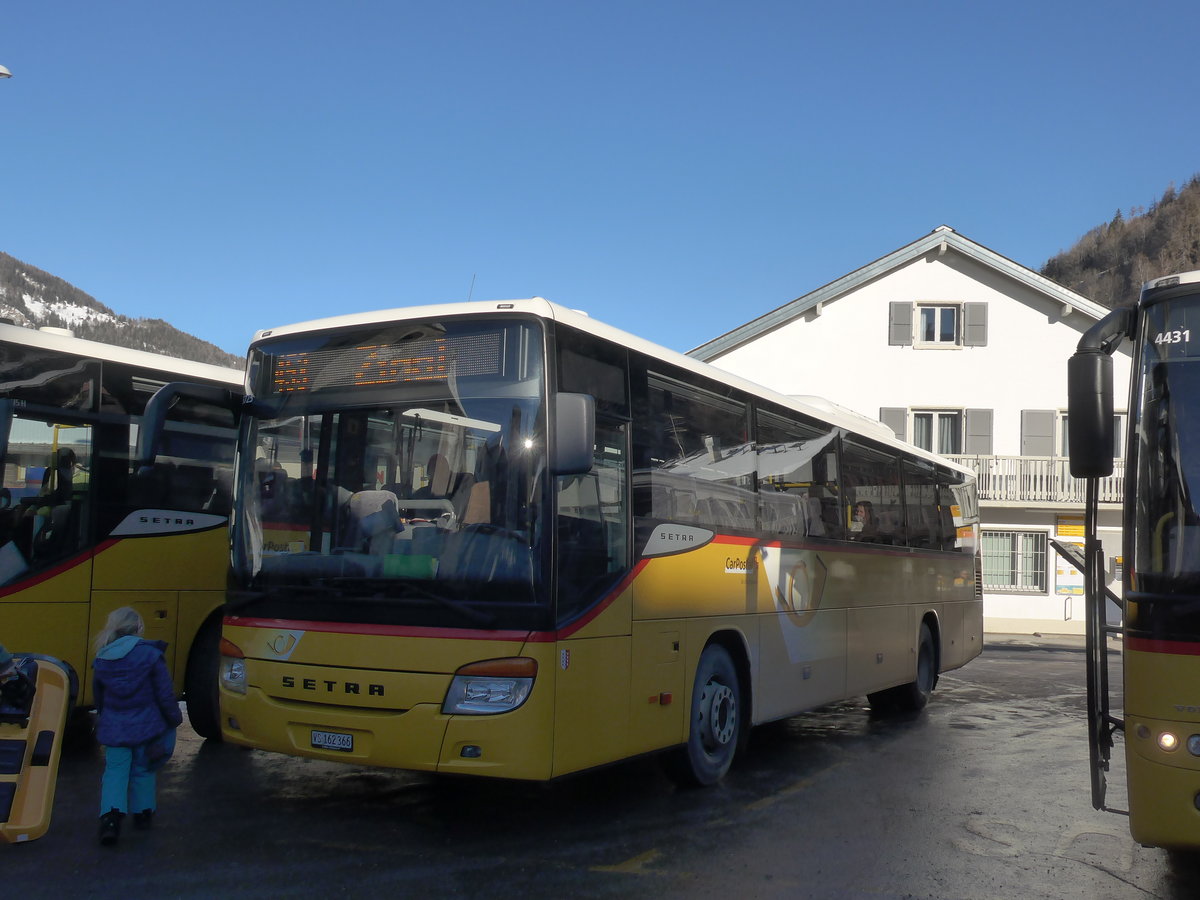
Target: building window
{"points": [[939, 325], [1014, 561], [938, 430], [1064, 440]]}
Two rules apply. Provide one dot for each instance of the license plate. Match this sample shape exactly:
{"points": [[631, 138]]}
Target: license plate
{"points": [[333, 740]]}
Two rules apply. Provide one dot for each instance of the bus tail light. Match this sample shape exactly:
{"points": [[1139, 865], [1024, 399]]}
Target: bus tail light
{"points": [[233, 667], [490, 687]]}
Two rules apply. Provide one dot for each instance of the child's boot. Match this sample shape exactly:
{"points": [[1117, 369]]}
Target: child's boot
{"points": [[110, 827]]}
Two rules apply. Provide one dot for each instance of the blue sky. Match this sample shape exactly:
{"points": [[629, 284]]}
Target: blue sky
{"points": [[673, 168]]}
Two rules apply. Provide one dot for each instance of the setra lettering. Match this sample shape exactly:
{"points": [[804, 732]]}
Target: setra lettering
{"points": [[165, 520], [330, 686]]}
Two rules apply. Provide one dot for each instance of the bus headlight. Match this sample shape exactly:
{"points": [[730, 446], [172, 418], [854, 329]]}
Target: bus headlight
{"points": [[232, 672], [490, 687], [1194, 745], [1168, 741]]}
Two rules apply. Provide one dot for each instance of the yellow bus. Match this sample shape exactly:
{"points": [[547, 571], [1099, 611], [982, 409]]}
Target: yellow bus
{"points": [[82, 533], [1161, 555], [504, 539]]}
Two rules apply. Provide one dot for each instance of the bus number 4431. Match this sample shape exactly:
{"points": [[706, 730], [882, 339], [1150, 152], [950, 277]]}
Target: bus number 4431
{"points": [[1173, 337]]}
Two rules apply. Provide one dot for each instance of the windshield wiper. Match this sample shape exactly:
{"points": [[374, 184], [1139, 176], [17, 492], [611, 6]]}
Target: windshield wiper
{"points": [[412, 590], [293, 591], [333, 588]]}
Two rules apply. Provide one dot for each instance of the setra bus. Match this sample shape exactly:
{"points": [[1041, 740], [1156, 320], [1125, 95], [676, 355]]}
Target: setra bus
{"points": [[82, 533], [504, 539], [1161, 554]]}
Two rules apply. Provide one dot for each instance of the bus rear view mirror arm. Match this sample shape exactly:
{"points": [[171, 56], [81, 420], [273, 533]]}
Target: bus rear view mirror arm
{"points": [[158, 406]]}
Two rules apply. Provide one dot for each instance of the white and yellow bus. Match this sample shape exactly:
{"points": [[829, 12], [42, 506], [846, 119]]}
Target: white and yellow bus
{"points": [[504, 539], [82, 532], [1160, 575]]}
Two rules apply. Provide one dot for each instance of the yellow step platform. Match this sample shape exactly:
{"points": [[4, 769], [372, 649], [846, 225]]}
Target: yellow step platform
{"points": [[30, 745]]}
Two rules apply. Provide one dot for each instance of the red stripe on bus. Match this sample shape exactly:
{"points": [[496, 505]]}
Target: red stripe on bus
{"points": [[54, 571], [843, 546], [1151, 645], [605, 603]]}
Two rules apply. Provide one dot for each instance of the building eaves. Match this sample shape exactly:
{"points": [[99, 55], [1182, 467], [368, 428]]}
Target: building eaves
{"points": [[941, 240]]}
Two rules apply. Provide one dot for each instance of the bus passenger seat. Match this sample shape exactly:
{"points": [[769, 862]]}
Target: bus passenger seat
{"points": [[373, 518], [58, 534], [815, 525]]}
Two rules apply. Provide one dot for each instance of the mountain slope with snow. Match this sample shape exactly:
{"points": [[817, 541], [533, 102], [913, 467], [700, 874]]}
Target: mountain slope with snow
{"points": [[32, 298]]}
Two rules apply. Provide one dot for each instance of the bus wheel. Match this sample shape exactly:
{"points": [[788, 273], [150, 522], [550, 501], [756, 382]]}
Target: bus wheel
{"points": [[200, 690], [715, 722], [913, 696]]}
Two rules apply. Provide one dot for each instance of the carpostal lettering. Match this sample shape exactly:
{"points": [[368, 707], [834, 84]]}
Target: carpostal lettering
{"points": [[329, 686], [739, 567]]}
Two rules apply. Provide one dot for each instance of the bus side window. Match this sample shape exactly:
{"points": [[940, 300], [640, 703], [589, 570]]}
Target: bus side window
{"points": [[920, 504], [194, 467], [871, 480], [701, 456], [797, 476], [53, 522]]}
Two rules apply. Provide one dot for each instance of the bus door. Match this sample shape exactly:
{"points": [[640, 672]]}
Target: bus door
{"points": [[593, 718]]}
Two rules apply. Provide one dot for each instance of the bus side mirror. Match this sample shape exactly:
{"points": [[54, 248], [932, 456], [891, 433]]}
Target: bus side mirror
{"points": [[574, 433], [1090, 413]]}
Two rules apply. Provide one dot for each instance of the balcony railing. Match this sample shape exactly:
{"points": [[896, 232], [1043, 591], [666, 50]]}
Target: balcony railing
{"points": [[1037, 479]]}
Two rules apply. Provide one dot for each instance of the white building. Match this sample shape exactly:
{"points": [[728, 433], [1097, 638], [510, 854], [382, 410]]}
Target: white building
{"points": [[963, 352]]}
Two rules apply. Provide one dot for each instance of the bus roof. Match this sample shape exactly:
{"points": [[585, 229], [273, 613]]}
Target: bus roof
{"points": [[1166, 281], [814, 407], [59, 342]]}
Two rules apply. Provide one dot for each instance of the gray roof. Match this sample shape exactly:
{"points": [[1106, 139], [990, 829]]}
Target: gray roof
{"points": [[940, 240]]}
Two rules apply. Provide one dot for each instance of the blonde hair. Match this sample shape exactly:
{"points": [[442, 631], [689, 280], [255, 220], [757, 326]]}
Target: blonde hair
{"points": [[121, 622]]}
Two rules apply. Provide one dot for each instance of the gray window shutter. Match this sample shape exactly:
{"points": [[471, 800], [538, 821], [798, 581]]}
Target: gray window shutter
{"points": [[1037, 432], [975, 324], [900, 324], [895, 418], [978, 439]]}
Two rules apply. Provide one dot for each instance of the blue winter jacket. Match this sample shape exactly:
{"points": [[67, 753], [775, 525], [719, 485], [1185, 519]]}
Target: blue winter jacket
{"points": [[134, 695]]}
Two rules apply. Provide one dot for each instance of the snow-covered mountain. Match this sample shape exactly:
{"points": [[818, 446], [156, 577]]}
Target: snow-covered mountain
{"points": [[33, 298]]}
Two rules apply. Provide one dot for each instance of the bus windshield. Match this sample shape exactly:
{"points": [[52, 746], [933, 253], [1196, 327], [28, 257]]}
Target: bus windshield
{"points": [[398, 478], [1167, 521]]}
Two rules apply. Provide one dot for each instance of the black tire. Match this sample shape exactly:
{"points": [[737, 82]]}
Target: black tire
{"points": [[715, 724], [200, 690], [79, 733], [913, 696]]}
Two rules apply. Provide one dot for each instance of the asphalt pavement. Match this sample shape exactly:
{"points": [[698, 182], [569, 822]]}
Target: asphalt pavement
{"points": [[983, 795]]}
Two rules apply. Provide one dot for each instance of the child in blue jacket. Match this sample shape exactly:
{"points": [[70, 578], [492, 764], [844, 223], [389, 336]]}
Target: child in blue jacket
{"points": [[137, 713]]}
